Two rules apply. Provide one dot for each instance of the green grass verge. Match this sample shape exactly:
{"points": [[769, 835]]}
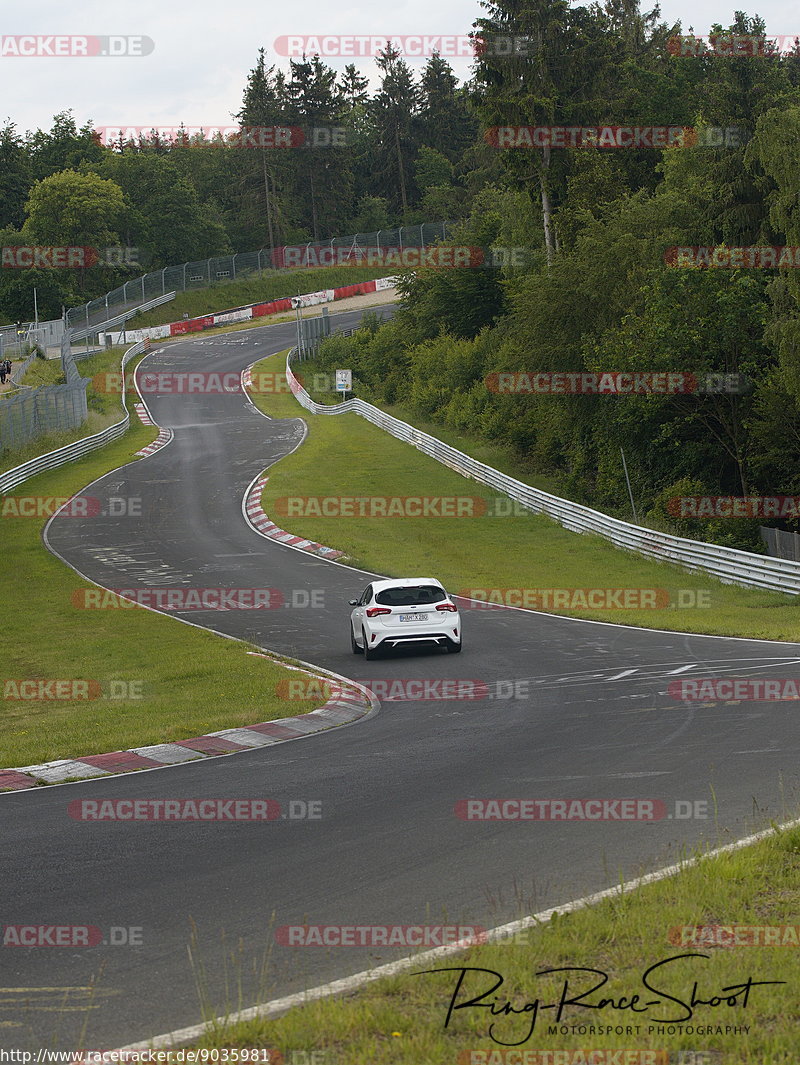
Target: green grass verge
{"points": [[272, 285], [187, 681], [400, 1020], [347, 456], [501, 457], [44, 372]]}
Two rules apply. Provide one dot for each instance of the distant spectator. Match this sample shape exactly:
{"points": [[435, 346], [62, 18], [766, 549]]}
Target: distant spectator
{"points": [[3, 372]]}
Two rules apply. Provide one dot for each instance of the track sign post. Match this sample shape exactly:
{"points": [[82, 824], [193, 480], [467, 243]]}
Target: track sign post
{"points": [[344, 382]]}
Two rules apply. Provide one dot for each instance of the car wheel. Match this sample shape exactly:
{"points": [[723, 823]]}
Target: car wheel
{"points": [[453, 648], [369, 652], [354, 646]]}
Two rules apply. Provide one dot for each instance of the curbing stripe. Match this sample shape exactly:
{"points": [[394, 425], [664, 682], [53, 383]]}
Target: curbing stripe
{"points": [[163, 438], [167, 753], [144, 417], [260, 523], [336, 711], [12, 780], [246, 737], [122, 760], [63, 769]]}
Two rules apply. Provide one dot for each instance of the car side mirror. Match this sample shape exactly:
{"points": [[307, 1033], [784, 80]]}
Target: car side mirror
{"points": [[353, 602]]}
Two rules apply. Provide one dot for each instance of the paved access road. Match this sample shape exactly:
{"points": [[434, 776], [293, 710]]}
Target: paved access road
{"points": [[596, 723]]}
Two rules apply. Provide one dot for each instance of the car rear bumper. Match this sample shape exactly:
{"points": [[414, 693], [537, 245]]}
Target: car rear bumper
{"points": [[399, 639]]}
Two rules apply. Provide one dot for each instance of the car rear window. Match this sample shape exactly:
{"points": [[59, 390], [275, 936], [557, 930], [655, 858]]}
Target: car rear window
{"points": [[416, 595]]}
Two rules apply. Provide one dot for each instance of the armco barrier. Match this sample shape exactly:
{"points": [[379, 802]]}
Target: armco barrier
{"points": [[254, 310], [53, 459], [727, 564], [80, 333]]}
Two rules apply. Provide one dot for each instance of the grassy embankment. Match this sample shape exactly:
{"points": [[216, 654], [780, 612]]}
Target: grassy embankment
{"points": [[347, 456], [182, 682]]}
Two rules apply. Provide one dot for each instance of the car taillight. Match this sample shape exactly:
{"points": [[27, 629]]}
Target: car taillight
{"points": [[447, 606], [373, 611]]}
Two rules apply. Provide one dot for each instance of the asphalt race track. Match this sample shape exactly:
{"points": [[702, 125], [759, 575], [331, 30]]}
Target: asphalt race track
{"points": [[596, 723]]}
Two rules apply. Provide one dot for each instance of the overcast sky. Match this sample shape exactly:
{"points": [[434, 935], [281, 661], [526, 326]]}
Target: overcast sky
{"points": [[202, 52]]}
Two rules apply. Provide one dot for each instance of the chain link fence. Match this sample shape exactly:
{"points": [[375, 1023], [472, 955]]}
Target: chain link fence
{"points": [[206, 272], [53, 408], [16, 342], [33, 412], [780, 543]]}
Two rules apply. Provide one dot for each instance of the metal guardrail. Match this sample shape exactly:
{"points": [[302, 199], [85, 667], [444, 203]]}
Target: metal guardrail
{"points": [[219, 268], [53, 459], [728, 564], [109, 323]]}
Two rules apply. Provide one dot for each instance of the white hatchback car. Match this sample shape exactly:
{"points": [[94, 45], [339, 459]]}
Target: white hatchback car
{"points": [[414, 610]]}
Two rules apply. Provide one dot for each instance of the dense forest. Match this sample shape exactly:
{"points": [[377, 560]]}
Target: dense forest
{"points": [[585, 276]]}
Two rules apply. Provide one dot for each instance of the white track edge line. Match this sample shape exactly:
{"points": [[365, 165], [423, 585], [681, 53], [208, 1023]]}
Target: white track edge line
{"points": [[182, 1036]]}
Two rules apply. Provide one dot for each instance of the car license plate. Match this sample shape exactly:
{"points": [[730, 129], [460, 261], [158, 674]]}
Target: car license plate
{"points": [[413, 617]]}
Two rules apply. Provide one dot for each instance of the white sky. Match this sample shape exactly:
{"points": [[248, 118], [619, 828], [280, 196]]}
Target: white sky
{"points": [[204, 50]]}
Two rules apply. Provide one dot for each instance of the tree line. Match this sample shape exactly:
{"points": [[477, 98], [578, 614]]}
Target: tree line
{"points": [[363, 162]]}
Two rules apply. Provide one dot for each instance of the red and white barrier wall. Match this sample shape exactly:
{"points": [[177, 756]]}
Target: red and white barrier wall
{"points": [[253, 310]]}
